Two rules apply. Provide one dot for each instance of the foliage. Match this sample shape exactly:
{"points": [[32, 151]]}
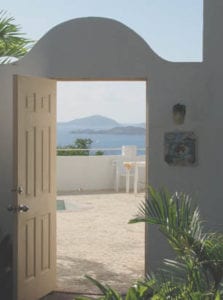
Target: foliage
{"points": [[136, 292], [99, 152], [198, 267], [108, 292], [196, 273], [13, 44], [71, 150]]}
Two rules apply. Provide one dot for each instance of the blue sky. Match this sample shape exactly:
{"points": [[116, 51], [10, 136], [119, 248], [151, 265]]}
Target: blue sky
{"points": [[173, 29]]}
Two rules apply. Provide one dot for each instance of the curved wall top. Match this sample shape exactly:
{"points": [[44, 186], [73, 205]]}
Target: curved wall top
{"points": [[91, 47]]}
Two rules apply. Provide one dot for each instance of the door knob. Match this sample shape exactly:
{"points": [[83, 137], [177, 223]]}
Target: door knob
{"points": [[20, 208], [23, 208]]}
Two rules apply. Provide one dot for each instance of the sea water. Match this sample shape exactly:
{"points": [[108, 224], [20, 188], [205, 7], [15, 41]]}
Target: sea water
{"points": [[65, 138]]}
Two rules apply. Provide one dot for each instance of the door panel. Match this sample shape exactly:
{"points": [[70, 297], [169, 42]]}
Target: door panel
{"points": [[34, 162]]}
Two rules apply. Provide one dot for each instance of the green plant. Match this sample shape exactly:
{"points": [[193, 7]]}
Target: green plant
{"points": [[198, 267], [137, 292], [80, 147], [13, 44], [196, 273], [107, 291], [99, 152]]}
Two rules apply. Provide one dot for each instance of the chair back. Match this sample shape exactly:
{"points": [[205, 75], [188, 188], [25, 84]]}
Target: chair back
{"points": [[129, 153]]}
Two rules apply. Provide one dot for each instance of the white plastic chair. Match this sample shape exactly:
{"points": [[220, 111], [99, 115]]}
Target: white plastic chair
{"points": [[128, 154]]}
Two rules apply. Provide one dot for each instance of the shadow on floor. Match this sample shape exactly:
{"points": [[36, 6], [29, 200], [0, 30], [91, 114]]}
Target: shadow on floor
{"points": [[64, 296], [72, 270]]}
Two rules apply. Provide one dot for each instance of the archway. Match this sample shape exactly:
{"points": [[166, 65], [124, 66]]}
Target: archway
{"points": [[82, 49]]}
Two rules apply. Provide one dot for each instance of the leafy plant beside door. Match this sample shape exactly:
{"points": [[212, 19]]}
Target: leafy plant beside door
{"points": [[196, 273]]}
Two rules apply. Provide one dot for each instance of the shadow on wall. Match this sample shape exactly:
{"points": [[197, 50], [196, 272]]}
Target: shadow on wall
{"points": [[6, 268]]}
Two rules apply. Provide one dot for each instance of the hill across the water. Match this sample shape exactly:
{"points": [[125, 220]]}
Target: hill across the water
{"points": [[95, 122]]}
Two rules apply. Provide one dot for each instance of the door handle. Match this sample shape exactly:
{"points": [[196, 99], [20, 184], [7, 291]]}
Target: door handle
{"points": [[20, 208], [23, 208]]}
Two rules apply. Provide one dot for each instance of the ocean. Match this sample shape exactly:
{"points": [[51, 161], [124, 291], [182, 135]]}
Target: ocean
{"points": [[65, 138]]}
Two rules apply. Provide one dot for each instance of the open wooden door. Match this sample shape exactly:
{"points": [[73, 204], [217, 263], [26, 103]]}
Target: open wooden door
{"points": [[34, 204]]}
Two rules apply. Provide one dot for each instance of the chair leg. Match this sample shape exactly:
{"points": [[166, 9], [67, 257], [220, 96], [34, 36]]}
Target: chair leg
{"points": [[117, 182], [136, 178], [127, 180]]}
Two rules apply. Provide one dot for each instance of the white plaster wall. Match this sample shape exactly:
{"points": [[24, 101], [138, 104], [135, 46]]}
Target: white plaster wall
{"points": [[212, 33], [96, 48], [6, 150], [91, 173]]}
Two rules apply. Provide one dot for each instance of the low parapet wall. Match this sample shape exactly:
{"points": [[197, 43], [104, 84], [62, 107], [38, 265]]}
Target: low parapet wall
{"points": [[91, 173]]}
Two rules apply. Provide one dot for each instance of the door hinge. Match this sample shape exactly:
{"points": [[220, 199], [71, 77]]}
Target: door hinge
{"points": [[18, 190]]}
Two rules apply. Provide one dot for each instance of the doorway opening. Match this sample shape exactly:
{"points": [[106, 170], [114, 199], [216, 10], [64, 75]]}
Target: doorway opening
{"points": [[101, 126]]}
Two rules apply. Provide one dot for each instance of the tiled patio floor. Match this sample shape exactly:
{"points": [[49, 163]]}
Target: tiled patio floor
{"points": [[94, 238]]}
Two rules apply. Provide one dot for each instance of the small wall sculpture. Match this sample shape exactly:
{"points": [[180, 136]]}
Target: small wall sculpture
{"points": [[180, 148], [179, 112]]}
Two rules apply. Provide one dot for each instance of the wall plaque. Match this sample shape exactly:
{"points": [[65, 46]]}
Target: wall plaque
{"points": [[180, 148]]}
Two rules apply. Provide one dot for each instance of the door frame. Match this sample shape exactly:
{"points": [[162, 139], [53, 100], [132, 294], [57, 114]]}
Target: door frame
{"points": [[15, 141], [147, 99]]}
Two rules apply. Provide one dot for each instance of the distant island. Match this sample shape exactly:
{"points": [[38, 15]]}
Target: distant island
{"points": [[131, 130], [96, 122], [93, 122]]}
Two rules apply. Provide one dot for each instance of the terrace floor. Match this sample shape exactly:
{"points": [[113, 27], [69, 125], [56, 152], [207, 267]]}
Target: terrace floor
{"points": [[94, 238]]}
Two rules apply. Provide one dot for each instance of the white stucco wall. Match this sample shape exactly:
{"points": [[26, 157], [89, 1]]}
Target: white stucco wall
{"points": [[6, 149], [92, 173], [97, 48], [85, 173]]}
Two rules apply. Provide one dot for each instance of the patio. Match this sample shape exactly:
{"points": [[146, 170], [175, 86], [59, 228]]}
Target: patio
{"points": [[94, 238]]}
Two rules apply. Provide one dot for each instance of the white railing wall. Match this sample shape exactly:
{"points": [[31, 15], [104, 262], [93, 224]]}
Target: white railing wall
{"points": [[90, 173]]}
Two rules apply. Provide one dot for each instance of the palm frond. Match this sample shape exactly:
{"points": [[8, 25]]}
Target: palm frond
{"points": [[211, 256], [176, 216], [108, 292], [13, 42]]}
